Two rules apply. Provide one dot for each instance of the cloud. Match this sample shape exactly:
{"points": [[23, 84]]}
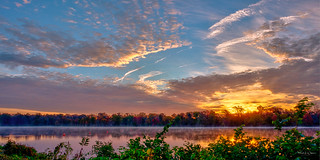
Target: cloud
{"points": [[24, 111], [291, 81], [71, 21], [268, 29], [26, 1], [246, 52], [18, 4], [224, 46], [219, 27], [186, 65], [159, 60], [52, 92], [126, 74], [13, 60], [137, 30], [3, 38], [150, 86], [148, 75], [285, 48], [294, 77], [281, 86]]}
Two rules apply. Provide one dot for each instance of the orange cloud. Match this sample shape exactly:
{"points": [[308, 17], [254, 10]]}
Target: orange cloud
{"points": [[25, 111], [282, 86]]}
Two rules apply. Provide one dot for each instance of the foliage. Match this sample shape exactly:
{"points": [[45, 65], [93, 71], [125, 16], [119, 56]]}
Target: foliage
{"points": [[189, 151], [150, 148], [301, 109], [60, 152], [103, 150], [241, 147], [279, 123], [294, 145], [84, 142], [12, 148], [291, 145]]}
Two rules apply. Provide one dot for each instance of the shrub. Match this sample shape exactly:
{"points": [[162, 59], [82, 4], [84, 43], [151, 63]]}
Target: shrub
{"points": [[104, 149], [12, 148]]}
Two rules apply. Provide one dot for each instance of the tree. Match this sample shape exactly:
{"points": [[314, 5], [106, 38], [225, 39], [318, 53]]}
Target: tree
{"points": [[260, 109], [301, 109], [239, 110], [116, 118]]}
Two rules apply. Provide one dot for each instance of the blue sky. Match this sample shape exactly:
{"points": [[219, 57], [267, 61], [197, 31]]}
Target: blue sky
{"points": [[157, 56]]}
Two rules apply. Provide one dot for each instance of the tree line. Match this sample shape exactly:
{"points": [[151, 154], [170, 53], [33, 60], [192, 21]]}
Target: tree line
{"points": [[293, 144], [262, 117]]}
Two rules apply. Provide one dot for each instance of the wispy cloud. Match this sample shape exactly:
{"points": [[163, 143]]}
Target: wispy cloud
{"points": [[127, 74], [71, 21], [190, 47], [150, 86], [186, 65], [159, 60], [243, 53], [148, 75], [219, 27], [259, 34]]}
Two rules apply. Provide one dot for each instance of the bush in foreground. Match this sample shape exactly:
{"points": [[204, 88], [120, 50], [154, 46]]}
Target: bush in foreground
{"points": [[291, 145]]}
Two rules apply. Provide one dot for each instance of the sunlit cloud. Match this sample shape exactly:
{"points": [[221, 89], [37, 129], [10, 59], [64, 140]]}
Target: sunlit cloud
{"points": [[131, 39], [148, 75], [274, 86], [88, 56], [250, 97], [150, 86], [25, 111]]}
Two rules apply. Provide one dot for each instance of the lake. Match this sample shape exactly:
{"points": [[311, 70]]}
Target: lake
{"points": [[42, 138]]}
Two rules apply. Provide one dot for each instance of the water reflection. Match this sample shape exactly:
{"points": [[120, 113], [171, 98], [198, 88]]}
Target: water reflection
{"points": [[48, 137]]}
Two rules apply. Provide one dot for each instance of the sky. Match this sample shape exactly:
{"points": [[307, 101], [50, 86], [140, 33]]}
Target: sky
{"points": [[154, 56]]}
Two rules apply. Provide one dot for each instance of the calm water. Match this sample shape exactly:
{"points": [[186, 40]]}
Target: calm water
{"points": [[42, 138]]}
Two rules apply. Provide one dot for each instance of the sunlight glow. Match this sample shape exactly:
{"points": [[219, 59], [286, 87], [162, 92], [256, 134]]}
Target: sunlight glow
{"points": [[249, 97]]}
